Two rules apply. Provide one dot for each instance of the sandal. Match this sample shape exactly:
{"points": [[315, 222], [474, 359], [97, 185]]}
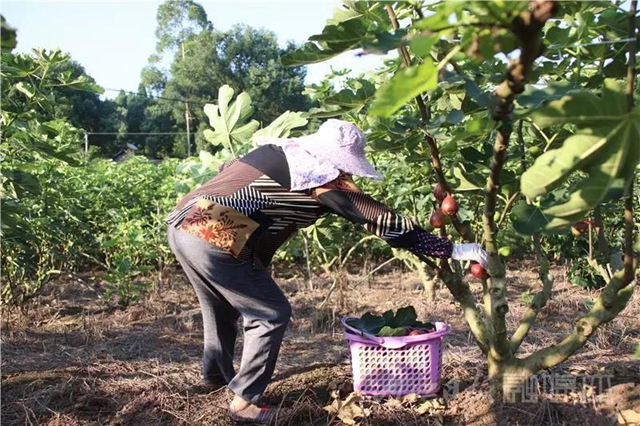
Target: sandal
{"points": [[265, 416]]}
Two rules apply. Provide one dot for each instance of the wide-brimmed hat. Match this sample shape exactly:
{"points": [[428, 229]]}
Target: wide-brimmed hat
{"points": [[342, 144]]}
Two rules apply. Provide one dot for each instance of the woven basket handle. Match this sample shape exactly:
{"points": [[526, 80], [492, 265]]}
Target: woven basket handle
{"points": [[378, 340]]}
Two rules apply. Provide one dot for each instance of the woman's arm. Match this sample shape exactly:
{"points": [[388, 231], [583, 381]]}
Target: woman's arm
{"points": [[344, 197]]}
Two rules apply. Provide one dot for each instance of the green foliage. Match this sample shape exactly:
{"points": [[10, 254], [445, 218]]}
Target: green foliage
{"points": [[405, 85], [245, 59], [179, 20], [8, 35], [582, 274], [389, 324], [61, 212], [32, 136], [335, 39], [604, 148], [577, 137], [282, 126], [369, 323], [96, 215], [228, 121]]}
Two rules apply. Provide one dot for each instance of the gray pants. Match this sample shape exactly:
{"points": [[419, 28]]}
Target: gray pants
{"points": [[226, 290]]}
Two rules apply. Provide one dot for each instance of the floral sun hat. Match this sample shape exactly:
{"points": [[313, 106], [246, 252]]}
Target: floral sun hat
{"points": [[337, 146]]}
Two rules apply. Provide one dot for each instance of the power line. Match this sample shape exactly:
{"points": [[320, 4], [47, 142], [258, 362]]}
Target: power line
{"points": [[199, 102], [136, 133], [593, 43]]}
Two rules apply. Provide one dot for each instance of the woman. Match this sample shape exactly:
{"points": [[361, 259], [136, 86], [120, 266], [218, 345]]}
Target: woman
{"points": [[225, 233]]}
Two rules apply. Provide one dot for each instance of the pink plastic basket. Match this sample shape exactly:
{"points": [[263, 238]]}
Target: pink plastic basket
{"points": [[395, 366]]}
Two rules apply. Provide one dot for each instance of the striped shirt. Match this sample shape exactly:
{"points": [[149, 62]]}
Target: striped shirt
{"points": [[248, 210]]}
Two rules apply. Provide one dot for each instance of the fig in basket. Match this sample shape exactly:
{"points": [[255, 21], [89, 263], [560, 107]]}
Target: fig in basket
{"points": [[404, 322]]}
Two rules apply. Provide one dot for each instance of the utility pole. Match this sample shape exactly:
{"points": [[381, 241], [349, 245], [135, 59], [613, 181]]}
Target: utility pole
{"points": [[187, 116], [86, 142]]}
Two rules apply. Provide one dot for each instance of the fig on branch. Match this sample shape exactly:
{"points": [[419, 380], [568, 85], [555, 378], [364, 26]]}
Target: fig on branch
{"points": [[437, 219], [534, 151], [505, 251], [478, 271], [440, 192], [449, 206], [580, 228]]}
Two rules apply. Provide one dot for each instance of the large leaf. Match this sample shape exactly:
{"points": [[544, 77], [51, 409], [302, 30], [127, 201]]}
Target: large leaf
{"points": [[335, 39], [533, 97], [346, 33], [604, 148], [369, 323], [281, 127], [592, 189], [383, 42], [228, 119], [310, 53], [421, 45], [405, 85], [347, 98], [528, 219], [405, 317], [555, 166], [468, 181], [387, 331], [329, 111], [25, 184]]}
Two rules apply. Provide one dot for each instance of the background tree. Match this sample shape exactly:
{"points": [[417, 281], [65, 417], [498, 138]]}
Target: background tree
{"points": [[205, 59]]}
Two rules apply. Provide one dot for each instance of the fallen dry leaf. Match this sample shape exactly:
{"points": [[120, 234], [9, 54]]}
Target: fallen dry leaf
{"points": [[629, 418], [348, 410], [412, 398]]}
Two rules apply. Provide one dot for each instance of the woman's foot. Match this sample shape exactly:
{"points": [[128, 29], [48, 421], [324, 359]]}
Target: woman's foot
{"points": [[244, 412], [216, 381]]}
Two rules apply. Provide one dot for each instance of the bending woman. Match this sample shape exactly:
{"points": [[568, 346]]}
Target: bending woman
{"points": [[226, 232]]}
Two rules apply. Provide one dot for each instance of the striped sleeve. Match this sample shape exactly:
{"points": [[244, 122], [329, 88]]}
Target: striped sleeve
{"points": [[343, 197], [228, 163]]}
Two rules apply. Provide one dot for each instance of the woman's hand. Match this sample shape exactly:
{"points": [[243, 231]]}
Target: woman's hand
{"points": [[470, 251]]}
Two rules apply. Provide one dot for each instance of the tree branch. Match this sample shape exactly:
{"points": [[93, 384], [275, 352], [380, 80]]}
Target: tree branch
{"points": [[528, 28], [539, 300], [603, 245], [616, 294], [463, 295], [629, 223], [612, 301], [464, 231]]}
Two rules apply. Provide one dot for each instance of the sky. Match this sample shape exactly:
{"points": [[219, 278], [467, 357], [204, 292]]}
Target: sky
{"points": [[114, 39]]}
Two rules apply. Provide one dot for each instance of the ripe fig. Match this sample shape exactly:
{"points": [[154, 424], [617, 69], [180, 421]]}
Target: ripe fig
{"points": [[416, 332], [478, 271], [580, 228], [437, 219], [440, 192], [449, 206]]}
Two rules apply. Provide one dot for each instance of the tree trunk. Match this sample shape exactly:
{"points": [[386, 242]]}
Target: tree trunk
{"points": [[511, 382], [428, 281]]}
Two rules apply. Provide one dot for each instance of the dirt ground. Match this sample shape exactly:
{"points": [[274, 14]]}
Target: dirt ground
{"points": [[72, 360]]}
